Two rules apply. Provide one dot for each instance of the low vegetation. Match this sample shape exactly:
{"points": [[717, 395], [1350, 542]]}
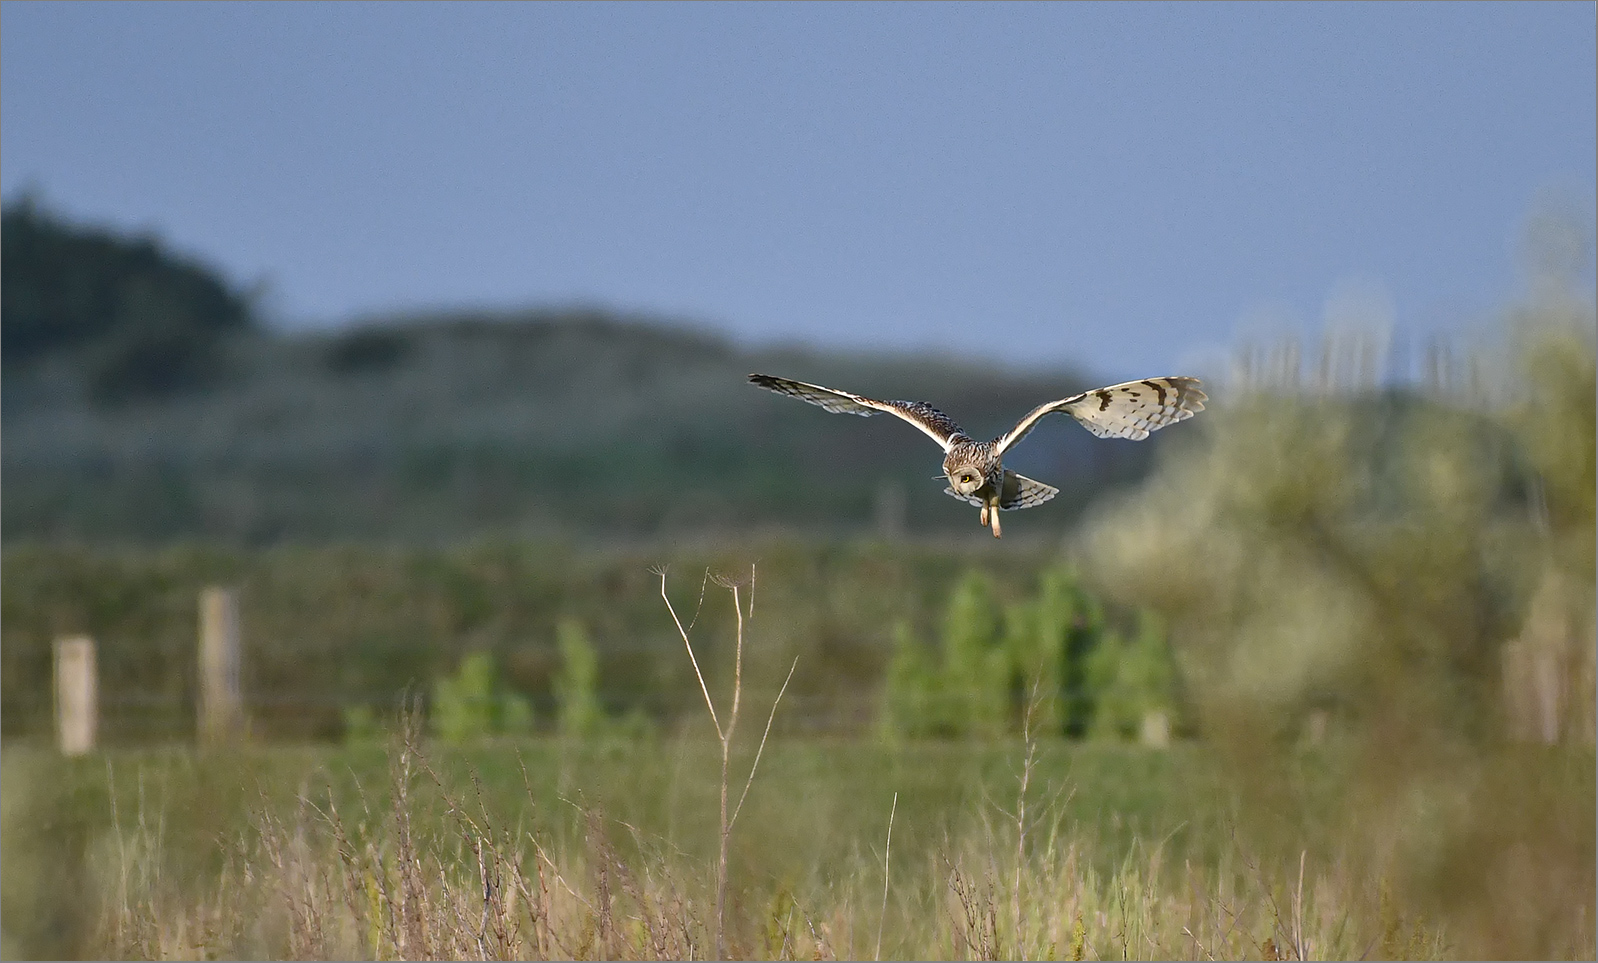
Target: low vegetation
{"points": [[549, 849]]}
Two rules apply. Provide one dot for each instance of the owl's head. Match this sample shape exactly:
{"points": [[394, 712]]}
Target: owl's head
{"points": [[965, 480]]}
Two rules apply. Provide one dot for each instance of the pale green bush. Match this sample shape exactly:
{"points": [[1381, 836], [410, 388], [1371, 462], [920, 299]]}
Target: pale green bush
{"points": [[472, 704]]}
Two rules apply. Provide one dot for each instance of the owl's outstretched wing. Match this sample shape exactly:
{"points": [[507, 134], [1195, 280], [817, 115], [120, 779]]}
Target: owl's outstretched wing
{"points": [[1131, 410], [937, 425]]}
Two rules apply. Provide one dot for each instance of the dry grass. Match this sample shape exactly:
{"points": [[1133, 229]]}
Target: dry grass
{"points": [[725, 731], [357, 878]]}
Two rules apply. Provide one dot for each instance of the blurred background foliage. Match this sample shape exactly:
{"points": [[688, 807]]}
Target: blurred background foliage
{"points": [[1049, 663], [1365, 556], [1401, 578]]}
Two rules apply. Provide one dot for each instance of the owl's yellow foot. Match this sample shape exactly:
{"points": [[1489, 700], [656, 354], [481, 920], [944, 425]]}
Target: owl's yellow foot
{"points": [[993, 518]]}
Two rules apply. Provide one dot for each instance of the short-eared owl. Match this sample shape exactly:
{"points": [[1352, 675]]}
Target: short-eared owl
{"points": [[974, 468]]}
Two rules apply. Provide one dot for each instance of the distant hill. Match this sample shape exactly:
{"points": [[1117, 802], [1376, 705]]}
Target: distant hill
{"points": [[136, 319], [539, 423], [141, 403]]}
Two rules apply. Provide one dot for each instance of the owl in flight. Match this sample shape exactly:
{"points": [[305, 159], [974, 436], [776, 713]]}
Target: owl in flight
{"points": [[974, 468]]}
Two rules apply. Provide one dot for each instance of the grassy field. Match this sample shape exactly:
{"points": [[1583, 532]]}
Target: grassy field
{"points": [[551, 848], [148, 847]]}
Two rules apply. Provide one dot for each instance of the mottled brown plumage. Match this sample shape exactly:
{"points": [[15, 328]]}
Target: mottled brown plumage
{"points": [[975, 468]]}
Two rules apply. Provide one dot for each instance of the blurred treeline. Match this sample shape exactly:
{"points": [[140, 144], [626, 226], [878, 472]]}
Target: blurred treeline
{"points": [[144, 403], [137, 320]]}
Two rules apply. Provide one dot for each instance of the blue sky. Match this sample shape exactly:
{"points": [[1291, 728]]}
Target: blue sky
{"points": [[1122, 186]]}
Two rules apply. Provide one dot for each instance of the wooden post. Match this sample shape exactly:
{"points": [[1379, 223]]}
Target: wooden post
{"points": [[221, 704], [1156, 731], [77, 695], [1316, 726]]}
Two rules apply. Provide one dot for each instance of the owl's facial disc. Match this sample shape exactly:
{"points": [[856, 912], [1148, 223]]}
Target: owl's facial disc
{"points": [[965, 481]]}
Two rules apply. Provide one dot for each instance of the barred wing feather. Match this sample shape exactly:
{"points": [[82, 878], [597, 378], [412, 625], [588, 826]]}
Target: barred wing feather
{"points": [[1129, 410], [1019, 492]]}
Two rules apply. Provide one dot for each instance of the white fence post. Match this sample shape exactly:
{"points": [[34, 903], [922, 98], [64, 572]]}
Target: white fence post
{"points": [[221, 703], [77, 695], [1156, 729]]}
